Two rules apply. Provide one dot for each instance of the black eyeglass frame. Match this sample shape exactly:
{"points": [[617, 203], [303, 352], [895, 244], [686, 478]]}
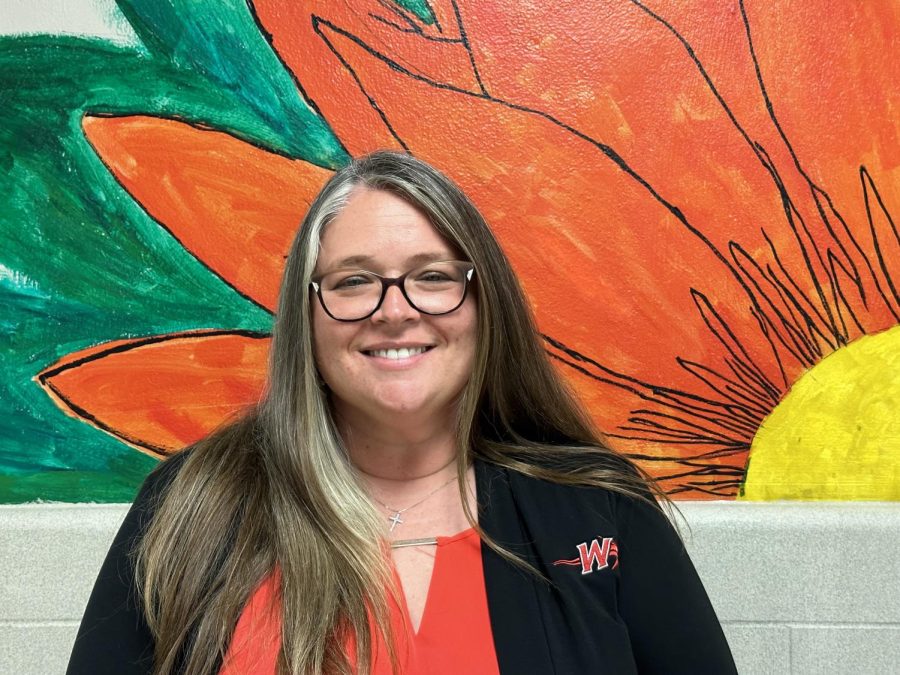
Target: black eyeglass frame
{"points": [[387, 282]]}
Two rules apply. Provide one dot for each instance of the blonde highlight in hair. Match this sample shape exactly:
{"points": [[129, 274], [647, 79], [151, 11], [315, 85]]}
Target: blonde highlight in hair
{"points": [[274, 492]]}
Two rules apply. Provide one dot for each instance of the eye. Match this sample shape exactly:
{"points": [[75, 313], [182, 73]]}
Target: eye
{"points": [[438, 273], [347, 282], [433, 276]]}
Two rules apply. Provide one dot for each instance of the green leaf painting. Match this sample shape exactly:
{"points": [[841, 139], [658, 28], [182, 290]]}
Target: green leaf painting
{"points": [[80, 262]]}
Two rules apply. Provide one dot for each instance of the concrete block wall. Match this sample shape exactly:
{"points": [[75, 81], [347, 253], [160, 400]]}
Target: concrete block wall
{"points": [[803, 587], [799, 587]]}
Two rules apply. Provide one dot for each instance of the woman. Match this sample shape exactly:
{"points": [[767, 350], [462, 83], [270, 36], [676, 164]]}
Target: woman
{"points": [[417, 490]]}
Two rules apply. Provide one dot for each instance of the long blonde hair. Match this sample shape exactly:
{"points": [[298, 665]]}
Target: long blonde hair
{"points": [[274, 492]]}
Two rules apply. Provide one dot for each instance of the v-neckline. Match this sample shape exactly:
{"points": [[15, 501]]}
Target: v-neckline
{"points": [[441, 542]]}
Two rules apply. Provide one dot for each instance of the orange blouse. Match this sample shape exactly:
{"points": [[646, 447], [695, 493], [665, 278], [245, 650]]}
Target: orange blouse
{"points": [[454, 635]]}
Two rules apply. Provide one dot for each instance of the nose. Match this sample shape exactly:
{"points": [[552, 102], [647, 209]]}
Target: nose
{"points": [[395, 308]]}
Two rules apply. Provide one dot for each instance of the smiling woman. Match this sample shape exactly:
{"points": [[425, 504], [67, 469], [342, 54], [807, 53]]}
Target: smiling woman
{"points": [[319, 532]]}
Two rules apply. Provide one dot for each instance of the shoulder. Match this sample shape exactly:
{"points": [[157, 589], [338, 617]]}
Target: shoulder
{"points": [[554, 508], [164, 472], [114, 636], [563, 493], [152, 492], [160, 478]]}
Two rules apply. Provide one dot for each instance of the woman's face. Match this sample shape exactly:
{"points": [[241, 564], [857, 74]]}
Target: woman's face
{"points": [[384, 234]]}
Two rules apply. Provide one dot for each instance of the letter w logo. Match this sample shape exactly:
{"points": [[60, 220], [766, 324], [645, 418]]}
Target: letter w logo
{"points": [[594, 555]]}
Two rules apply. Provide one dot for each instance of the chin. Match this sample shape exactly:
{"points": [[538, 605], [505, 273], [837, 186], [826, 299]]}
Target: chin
{"points": [[404, 406], [410, 403]]}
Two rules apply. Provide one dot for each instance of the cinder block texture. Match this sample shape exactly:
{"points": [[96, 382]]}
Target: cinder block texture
{"points": [[50, 555], [36, 649], [759, 649], [798, 562], [873, 650]]}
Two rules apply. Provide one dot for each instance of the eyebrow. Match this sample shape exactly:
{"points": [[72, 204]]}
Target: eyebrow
{"points": [[414, 261]]}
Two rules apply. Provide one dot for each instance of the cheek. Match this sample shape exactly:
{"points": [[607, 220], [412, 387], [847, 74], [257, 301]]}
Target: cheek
{"points": [[318, 333], [328, 337], [467, 333]]}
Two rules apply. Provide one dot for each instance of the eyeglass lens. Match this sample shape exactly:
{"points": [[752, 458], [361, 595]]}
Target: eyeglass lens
{"points": [[435, 288]]}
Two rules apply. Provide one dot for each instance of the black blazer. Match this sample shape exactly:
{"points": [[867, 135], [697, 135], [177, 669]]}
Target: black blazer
{"points": [[621, 595], [634, 604]]}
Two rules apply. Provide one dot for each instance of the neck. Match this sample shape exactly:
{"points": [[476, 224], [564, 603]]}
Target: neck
{"points": [[406, 452]]}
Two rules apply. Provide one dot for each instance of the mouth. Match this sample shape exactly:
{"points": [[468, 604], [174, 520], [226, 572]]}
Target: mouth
{"points": [[399, 354]]}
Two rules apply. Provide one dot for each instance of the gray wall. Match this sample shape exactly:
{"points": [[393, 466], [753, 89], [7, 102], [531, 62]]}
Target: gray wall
{"points": [[799, 587]]}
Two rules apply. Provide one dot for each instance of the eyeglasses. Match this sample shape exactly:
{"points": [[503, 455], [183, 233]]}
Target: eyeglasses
{"points": [[353, 295]]}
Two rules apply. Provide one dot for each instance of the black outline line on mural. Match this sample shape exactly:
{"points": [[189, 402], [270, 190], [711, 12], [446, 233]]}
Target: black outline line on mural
{"points": [[869, 184], [413, 26]]}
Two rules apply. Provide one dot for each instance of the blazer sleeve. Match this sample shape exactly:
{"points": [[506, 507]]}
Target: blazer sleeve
{"points": [[113, 637], [671, 622]]}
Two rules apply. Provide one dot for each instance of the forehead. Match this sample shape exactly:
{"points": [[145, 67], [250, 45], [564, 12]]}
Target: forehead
{"points": [[379, 230]]}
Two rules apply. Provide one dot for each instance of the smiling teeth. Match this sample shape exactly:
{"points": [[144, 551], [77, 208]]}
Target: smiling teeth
{"points": [[398, 354]]}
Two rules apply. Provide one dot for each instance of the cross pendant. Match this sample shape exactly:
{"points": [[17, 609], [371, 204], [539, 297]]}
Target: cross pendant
{"points": [[395, 520]]}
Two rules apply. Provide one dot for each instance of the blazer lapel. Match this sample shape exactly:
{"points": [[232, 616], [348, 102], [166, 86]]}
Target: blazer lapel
{"points": [[517, 622]]}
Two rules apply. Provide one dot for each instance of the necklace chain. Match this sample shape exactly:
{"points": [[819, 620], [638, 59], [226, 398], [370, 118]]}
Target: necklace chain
{"points": [[394, 519]]}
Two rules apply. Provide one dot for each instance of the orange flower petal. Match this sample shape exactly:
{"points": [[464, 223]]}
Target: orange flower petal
{"points": [[299, 35], [232, 205], [766, 63], [724, 165], [161, 393], [683, 106]]}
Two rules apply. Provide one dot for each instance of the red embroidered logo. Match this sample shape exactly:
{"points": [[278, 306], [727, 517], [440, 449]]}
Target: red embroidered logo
{"points": [[597, 553]]}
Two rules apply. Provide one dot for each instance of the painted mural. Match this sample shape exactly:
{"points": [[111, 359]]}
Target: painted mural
{"points": [[700, 199]]}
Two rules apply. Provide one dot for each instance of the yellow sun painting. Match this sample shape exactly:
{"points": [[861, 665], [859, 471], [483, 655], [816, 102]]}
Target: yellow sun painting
{"points": [[836, 435]]}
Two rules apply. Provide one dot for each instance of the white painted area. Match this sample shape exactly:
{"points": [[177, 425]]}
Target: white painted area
{"points": [[16, 279], [800, 588], [86, 18]]}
